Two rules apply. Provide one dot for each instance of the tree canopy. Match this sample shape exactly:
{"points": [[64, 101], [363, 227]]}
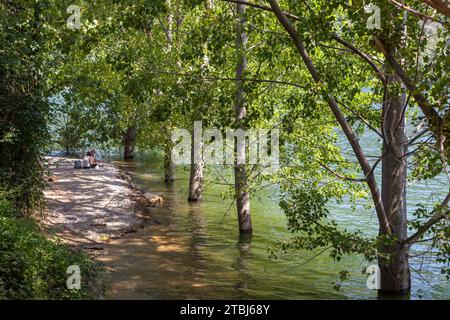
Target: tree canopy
{"points": [[325, 73]]}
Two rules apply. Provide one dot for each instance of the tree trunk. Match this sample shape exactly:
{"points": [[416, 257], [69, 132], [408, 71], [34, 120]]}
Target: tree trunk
{"points": [[169, 165], [240, 174], [195, 182], [129, 140], [393, 262], [196, 176], [209, 4], [443, 6]]}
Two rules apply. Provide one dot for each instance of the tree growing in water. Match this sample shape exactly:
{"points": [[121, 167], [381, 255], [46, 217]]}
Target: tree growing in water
{"points": [[305, 205]]}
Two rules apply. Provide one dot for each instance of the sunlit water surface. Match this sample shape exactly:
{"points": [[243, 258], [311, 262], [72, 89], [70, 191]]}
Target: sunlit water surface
{"points": [[196, 251]]}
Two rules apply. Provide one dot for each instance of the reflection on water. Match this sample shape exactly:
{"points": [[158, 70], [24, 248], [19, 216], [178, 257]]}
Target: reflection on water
{"points": [[196, 252], [241, 265]]}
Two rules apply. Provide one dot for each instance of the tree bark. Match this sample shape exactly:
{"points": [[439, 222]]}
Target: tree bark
{"points": [[169, 165], [196, 182], [209, 4], [443, 6], [427, 108], [196, 176], [129, 141], [393, 260], [240, 172]]}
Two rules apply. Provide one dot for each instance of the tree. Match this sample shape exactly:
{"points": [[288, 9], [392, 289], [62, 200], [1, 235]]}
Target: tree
{"points": [[240, 174], [70, 131], [392, 244], [103, 67], [23, 106], [443, 6]]}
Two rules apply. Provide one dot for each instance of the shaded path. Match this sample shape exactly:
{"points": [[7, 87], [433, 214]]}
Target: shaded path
{"points": [[88, 207]]}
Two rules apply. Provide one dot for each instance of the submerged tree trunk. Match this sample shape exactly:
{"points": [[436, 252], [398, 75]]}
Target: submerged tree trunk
{"points": [[196, 182], [196, 176], [393, 262], [197, 163], [240, 174], [169, 165], [129, 141]]}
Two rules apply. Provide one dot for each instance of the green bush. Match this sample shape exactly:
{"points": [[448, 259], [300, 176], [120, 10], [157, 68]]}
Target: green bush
{"points": [[31, 265], [34, 267]]}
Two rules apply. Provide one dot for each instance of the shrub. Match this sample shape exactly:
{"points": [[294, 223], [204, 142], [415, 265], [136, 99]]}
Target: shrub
{"points": [[34, 267]]}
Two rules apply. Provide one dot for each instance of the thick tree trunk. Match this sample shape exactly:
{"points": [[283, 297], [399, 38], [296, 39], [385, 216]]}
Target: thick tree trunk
{"points": [[240, 174], [196, 176], [129, 141], [393, 262], [169, 165]]}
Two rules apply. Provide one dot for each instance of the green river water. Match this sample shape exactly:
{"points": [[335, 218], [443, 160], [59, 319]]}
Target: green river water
{"points": [[196, 251]]}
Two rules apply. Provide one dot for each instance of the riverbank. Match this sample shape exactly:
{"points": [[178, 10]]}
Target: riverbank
{"points": [[36, 251], [88, 207]]}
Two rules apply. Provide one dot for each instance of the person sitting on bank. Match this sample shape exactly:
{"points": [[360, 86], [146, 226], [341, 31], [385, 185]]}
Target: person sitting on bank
{"points": [[88, 158], [93, 161]]}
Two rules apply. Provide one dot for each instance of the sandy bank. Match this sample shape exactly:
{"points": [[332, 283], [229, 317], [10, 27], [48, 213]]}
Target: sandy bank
{"points": [[89, 207]]}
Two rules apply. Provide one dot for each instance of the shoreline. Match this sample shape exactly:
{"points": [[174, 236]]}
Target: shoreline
{"points": [[87, 208]]}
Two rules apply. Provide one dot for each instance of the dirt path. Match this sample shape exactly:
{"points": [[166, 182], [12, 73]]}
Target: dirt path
{"points": [[89, 207]]}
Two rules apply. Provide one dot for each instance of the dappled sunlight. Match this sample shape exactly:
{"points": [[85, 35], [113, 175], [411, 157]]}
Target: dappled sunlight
{"points": [[95, 203], [167, 244], [170, 248]]}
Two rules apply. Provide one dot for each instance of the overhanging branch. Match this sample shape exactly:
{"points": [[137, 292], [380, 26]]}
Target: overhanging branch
{"points": [[417, 13], [443, 6], [441, 213], [348, 131]]}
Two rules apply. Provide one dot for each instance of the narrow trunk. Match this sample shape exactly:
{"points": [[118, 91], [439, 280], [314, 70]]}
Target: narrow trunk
{"points": [[240, 174], [197, 164], [169, 165], [196, 176], [394, 267], [209, 4], [129, 140]]}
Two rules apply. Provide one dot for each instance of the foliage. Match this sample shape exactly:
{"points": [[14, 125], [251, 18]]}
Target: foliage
{"points": [[34, 267], [308, 219], [23, 128], [31, 265], [156, 65], [360, 93], [437, 237]]}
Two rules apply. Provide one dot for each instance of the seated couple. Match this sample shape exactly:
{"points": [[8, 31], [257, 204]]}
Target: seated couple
{"points": [[93, 162]]}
